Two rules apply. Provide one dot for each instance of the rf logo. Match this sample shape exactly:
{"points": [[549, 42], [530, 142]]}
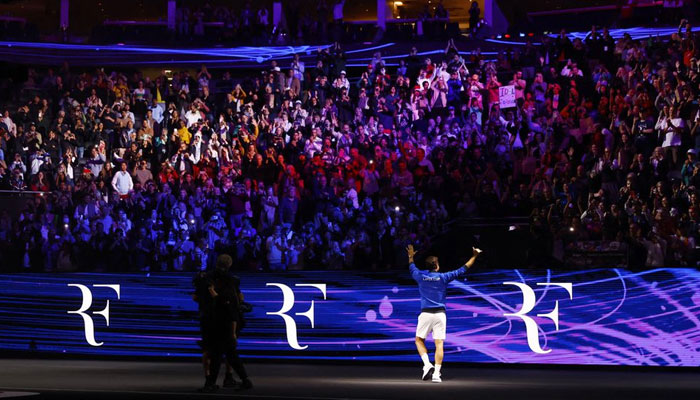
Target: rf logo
{"points": [[531, 326], [288, 303], [87, 303]]}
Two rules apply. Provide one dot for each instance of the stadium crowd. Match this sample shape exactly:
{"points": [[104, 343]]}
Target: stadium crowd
{"points": [[304, 167]]}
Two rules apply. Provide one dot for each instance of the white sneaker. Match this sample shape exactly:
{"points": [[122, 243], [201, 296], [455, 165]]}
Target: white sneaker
{"points": [[436, 377], [427, 371]]}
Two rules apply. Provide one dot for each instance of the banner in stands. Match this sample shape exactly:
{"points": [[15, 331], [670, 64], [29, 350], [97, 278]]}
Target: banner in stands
{"points": [[599, 317], [506, 96]]}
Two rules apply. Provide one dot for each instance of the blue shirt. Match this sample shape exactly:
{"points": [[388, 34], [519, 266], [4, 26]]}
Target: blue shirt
{"points": [[433, 286]]}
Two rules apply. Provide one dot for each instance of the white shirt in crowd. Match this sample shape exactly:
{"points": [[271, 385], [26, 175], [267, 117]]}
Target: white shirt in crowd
{"points": [[97, 164], [442, 72], [36, 165], [672, 135], [69, 171], [11, 126], [131, 116], [352, 196], [197, 149], [270, 208], [298, 68], [122, 182], [274, 252], [342, 82], [313, 146], [157, 112], [566, 71], [192, 117], [655, 253]]}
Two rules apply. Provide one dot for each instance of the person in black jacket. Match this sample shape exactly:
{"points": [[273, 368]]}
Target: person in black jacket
{"points": [[219, 299]]}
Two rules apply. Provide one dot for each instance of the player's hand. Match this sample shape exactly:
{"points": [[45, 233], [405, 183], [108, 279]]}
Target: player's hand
{"points": [[476, 251], [411, 252]]}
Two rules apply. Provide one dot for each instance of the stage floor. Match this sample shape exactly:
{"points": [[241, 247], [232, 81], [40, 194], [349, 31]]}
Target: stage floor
{"points": [[78, 379]]}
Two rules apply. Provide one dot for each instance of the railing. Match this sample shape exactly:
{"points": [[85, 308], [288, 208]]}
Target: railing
{"points": [[594, 254], [20, 192]]}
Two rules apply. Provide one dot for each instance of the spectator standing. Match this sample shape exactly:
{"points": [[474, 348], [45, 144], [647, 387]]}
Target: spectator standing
{"points": [[122, 182]]}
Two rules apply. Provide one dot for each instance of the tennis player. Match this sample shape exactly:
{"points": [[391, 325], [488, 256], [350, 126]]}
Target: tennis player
{"points": [[432, 286]]}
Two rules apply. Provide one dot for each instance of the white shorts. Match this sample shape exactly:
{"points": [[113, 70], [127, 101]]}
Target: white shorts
{"points": [[432, 322]]}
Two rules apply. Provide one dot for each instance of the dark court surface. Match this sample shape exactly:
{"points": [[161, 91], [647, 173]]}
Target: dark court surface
{"points": [[104, 380]]}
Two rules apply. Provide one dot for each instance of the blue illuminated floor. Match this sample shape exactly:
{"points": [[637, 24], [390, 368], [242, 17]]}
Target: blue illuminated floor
{"points": [[358, 54], [612, 317]]}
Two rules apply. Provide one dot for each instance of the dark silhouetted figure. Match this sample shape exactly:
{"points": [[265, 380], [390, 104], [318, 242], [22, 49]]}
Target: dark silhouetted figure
{"points": [[219, 299]]}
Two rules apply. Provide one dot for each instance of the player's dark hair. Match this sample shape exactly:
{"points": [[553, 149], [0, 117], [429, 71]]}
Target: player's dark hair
{"points": [[224, 262], [431, 263]]}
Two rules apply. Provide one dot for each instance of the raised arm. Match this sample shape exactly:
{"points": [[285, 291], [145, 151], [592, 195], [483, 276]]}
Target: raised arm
{"points": [[411, 253], [415, 273], [475, 254], [452, 275]]}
